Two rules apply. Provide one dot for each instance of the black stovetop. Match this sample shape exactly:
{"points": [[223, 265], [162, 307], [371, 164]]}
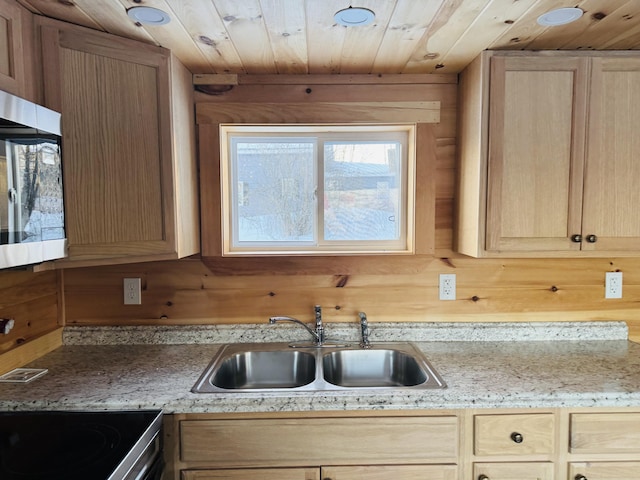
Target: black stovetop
{"points": [[68, 445]]}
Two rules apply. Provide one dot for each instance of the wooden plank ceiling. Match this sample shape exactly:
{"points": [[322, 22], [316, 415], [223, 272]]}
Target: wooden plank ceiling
{"points": [[301, 37]]}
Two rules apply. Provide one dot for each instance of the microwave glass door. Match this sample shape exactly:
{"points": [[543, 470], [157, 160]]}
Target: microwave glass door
{"points": [[30, 173]]}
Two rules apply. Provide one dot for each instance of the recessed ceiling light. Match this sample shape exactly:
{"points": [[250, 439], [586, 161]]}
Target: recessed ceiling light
{"points": [[354, 17], [148, 15], [560, 16]]}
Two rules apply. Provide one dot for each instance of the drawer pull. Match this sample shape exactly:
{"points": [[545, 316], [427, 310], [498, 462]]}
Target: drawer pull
{"points": [[517, 437], [484, 477], [577, 238], [580, 477]]}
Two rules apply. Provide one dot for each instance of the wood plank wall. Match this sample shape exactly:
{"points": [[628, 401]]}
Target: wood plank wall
{"points": [[32, 301], [224, 290]]}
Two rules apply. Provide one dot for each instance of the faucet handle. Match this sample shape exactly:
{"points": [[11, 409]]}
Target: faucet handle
{"points": [[319, 327], [364, 328]]}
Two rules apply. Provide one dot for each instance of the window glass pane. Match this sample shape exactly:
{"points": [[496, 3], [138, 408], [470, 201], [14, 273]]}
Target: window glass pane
{"points": [[361, 191], [274, 190]]}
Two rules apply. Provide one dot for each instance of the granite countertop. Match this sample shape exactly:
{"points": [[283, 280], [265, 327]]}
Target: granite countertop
{"points": [[488, 365]]}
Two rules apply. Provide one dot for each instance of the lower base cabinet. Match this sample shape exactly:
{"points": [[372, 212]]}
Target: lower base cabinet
{"points": [[479, 444], [387, 472], [604, 471], [513, 471]]}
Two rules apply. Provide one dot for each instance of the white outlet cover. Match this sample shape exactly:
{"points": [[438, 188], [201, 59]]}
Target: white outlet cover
{"points": [[613, 285], [447, 288], [132, 291]]}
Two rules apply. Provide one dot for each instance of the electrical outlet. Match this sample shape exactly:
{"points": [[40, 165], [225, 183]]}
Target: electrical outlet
{"points": [[447, 286], [613, 285], [132, 291]]}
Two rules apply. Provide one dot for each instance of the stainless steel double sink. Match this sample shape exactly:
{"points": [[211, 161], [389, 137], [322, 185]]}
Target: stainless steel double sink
{"points": [[263, 367]]}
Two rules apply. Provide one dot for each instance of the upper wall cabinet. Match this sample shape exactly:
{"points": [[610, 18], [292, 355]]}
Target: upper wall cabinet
{"points": [[548, 156], [16, 50], [128, 126]]}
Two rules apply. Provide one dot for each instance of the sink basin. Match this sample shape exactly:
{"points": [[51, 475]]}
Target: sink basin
{"points": [[265, 369], [278, 367], [372, 368]]}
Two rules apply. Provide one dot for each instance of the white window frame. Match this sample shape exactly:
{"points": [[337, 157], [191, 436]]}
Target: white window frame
{"points": [[406, 133]]}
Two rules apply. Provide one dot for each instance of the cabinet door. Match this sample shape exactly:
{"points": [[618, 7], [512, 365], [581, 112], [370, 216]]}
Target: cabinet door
{"points": [[254, 474], [396, 472], [16, 55], [114, 95], [604, 471], [513, 471], [611, 193], [536, 146]]}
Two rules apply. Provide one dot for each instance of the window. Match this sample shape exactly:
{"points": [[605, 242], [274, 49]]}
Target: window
{"points": [[317, 189]]}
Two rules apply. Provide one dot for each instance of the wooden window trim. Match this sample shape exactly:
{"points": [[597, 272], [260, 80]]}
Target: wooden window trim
{"points": [[425, 196]]}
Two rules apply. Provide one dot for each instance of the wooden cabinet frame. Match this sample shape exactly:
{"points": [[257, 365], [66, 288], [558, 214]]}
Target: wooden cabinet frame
{"points": [[129, 165], [331, 444], [263, 100], [546, 162], [17, 64]]}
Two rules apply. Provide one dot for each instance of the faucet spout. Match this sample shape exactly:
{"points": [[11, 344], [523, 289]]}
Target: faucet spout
{"points": [[276, 319], [317, 333], [364, 328]]}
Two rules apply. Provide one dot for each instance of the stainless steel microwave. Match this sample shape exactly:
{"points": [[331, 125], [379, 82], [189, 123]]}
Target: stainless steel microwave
{"points": [[31, 200]]}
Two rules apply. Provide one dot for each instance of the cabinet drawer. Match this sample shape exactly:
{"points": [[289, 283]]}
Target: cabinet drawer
{"points": [[511, 471], [514, 434], [320, 441], [261, 473], [605, 433], [605, 471]]}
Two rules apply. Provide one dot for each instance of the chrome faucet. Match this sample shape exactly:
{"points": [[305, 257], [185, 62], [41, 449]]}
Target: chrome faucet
{"points": [[318, 333], [364, 327]]}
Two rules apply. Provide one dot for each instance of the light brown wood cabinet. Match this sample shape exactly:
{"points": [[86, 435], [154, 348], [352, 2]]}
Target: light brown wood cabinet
{"points": [[508, 446], [612, 171], [383, 472], [17, 51], [547, 163], [130, 179], [344, 448], [604, 446], [500, 444]]}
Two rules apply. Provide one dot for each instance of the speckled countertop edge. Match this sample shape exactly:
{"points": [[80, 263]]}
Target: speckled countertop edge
{"points": [[392, 332]]}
